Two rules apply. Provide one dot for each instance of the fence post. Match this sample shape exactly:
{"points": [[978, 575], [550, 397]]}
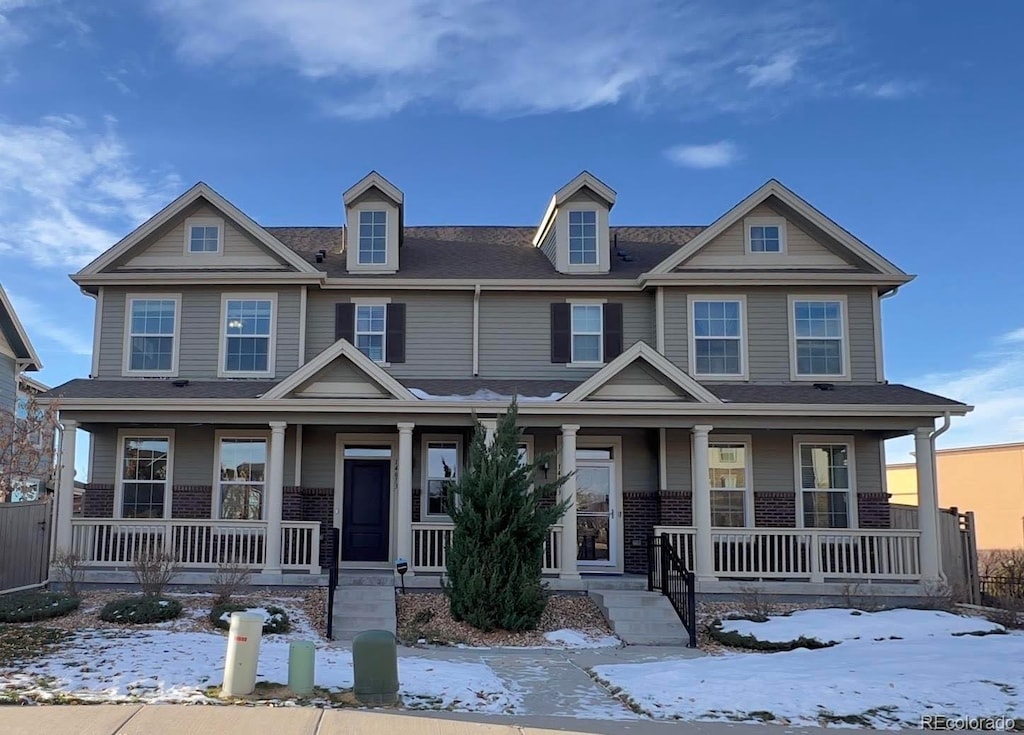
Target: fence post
{"points": [[814, 556], [691, 607], [665, 558]]}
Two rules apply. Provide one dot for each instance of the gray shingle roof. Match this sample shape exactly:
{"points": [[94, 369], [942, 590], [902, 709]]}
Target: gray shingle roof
{"points": [[873, 394], [486, 252]]}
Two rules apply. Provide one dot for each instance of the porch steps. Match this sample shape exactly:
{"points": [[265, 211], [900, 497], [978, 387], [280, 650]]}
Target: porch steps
{"points": [[641, 618], [364, 601]]}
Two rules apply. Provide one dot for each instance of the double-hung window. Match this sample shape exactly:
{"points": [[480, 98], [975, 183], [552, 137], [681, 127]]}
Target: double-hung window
{"points": [[242, 477], [582, 237], [825, 484], [373, 237], [441, 471], [819, 336], [371, 328], [729, 469], [152, 335], [248, 336], [587, 333], [145, 471], [718, 337]]}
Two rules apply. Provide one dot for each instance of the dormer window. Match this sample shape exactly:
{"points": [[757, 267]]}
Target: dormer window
{"points": [[373, 240], [582, 237], [766, 235], [204, 235]]}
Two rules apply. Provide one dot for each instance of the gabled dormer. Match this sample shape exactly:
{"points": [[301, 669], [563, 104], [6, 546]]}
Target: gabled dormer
{"points": [[374, 218], [574, 231]]}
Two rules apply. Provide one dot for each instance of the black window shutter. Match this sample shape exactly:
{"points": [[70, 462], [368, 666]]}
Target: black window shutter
{"points": [[612, 331], [395, 340], [344, 321], [561, 333]]}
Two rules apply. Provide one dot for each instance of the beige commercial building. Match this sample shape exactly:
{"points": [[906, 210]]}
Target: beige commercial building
{"points": [[988, 480]]}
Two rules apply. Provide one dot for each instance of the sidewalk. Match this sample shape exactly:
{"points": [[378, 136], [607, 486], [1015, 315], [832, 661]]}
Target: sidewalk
{"points": [[170, 719]]}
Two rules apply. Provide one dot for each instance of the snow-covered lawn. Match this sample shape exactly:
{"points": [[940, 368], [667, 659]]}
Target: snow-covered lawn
{"points": [[890, 669], [174, 666], [569, 638]]}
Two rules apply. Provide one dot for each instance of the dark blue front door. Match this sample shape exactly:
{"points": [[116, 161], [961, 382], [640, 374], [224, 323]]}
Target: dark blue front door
{"points": [[366, 510]]}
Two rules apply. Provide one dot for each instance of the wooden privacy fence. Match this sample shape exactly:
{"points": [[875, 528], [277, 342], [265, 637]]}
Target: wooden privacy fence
{"points": [[958, 544], [24, 544]]}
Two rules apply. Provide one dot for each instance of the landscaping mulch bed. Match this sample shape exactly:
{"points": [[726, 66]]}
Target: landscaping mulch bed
{"points": [[425, 617]]}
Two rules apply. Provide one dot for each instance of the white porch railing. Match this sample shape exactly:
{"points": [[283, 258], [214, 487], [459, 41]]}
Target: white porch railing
{"points": [[430, 542], [816, 554], [196, 544]]}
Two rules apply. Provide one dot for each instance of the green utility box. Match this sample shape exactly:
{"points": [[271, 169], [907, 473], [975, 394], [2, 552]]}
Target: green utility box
{"points": [[375, 667]]}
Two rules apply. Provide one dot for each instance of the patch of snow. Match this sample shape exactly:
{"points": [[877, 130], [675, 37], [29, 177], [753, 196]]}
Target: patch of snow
{"points": [[484, 394], [165, 666], [844, 624], [579, 639], [267, 615]]}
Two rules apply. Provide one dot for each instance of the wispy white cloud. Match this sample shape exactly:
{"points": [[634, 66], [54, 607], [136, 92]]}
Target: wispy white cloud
{"points": [[67, 192], [368, 59], [994, 384], [711, 155], [40, 322], [894, 89], [777, 71]]}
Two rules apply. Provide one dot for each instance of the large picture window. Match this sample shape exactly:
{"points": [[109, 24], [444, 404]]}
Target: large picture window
{"points": [[242, 477], [144, 476], [441, 472], [718, 337], [729, 469], [825, 483], [152, 330], [819, 337], [248, 333]]}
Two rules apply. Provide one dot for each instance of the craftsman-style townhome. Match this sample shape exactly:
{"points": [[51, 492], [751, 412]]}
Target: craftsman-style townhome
{"points": [[253, 387]]}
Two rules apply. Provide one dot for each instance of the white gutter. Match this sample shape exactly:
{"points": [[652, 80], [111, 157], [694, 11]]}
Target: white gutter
{"points": [[476, 330]]}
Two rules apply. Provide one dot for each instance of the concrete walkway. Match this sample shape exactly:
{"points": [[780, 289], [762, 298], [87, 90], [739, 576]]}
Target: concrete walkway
{"points": [[168, 719]]}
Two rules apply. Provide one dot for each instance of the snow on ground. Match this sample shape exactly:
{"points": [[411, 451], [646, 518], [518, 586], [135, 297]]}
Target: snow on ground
{"points": [[174, 666], [570, 638], [267, 616], [878, 683], [840, 624]]}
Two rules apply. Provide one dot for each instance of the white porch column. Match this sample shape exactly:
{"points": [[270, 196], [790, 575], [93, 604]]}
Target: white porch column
{"points": [[927, 504], [490, 428], [403, 543], [703, 548], [569, 552], [66, 484], [275, 497]]}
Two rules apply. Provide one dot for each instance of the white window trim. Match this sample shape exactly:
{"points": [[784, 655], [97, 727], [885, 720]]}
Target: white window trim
{"points": [[573, 362], [272, 348], [748, 495], [749, 222], [744, 373], [387, 223], [597, 238], [601, 266], [363, 301], [587, 441], [850, 442], [845, 341], [191, 222], [221, 434], [123, 434], [127, 339], [425, 442], [345, 441]]}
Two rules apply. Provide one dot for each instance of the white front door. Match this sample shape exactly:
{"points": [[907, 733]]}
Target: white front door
{"points": [[597, 516]]}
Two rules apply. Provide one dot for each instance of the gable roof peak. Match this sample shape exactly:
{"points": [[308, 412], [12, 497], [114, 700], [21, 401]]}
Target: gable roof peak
{"points": [[16, 336], [373, 180], [585, 179]]}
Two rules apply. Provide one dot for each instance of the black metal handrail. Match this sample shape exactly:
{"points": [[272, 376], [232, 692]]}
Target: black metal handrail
{"points": [[667, 574], [332, 580]]}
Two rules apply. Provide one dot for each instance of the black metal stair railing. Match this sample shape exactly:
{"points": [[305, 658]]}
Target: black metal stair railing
{"points": [[667, 574]]}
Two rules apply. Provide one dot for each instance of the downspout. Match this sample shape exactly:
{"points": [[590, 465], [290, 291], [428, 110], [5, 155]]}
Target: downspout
{"points": [[476, 331], [946, 421], [59, 455]]}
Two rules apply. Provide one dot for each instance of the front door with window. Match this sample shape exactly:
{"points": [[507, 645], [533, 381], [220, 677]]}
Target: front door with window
{"points": [[596, 513], [366, 510]]}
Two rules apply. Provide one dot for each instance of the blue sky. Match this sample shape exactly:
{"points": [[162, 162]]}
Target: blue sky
{"points": [[901, 120]]}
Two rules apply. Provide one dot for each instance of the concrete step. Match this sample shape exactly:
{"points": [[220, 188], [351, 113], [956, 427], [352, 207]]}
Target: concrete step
{"points": [[359, 607], [641, 617], [364, 593], [616, 582], [619, 598], [363, 607], [385, 578]]}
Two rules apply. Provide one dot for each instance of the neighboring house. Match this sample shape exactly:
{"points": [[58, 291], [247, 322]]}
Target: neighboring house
{"points": [[988, 480], [254, 386], [17, 356]]}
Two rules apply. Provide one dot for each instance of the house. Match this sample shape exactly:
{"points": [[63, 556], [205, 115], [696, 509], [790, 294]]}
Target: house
{"points": [[252, 387], [988, 480], [18, 356]]}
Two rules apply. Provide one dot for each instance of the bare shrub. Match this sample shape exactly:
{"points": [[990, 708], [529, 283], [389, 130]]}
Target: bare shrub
{"points": [[154, 570], [936, 595], [231, 578], [1010, 614], [860, 596], [67, 566], [26, 446], [755, 603]]}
